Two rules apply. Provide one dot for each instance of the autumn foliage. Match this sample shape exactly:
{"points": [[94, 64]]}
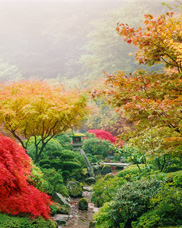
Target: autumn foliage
{"points": [[101, 134], [17, 196], [152, 100], [36, 108]]}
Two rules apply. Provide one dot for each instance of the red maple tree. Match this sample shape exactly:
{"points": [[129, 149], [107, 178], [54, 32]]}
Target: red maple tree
{"points": [[17, 196], [104, 135]]}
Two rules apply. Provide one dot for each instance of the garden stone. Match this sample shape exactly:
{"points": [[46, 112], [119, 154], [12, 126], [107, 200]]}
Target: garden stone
{"points": [[75, 189], [63, 209], [83, 204], [90, 180], [61, 219], [87, 188], [57, 197]]}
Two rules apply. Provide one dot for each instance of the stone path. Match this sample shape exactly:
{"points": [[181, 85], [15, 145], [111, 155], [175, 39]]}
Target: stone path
{"points": [[80, 219]]}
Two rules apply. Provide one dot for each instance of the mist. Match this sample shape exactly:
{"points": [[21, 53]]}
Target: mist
{"points": [[49, 38]]}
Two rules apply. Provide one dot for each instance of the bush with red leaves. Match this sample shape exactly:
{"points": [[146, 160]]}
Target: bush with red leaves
{"points": [[17, 196], [104, 135]]}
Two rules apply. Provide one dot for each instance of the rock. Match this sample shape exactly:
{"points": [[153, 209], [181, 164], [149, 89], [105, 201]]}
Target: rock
{"points": [[75, 189], [61, 219], [57, 197], [90, 180], [87, 189], [63, 209], [83, 204], [92, 224]]}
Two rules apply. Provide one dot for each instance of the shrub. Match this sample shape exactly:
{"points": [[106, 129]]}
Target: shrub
{"points": [[102, 218], [69, 165], [167, 209], [105, 189], [36, 179], [55, 181], [65, 141], [17, 196], [44, 161], [8, 221], [67, 155], [55, 154], [52, 145], [177, 179], [131, 201], [131, 170], [96, 146], [56, 163]]}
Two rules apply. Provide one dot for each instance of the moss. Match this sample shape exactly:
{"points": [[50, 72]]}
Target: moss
{"points": [[83, 204]]}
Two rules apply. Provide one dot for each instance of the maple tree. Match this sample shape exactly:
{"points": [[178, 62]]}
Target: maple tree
{"points": [[152, 99], [34, 108], [17, 196], [102, 134]]}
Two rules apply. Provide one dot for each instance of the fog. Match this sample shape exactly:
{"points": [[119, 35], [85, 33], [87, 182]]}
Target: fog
{"points": [[55, 38]]}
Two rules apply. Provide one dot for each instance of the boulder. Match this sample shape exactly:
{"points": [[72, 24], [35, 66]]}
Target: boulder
{"points": [[83, 204], [90, 180], [57, 197], [62, 209], [61, 219], [75, 189]]}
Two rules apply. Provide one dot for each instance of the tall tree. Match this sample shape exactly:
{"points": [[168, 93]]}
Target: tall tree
{"points": [[153, 99], [34, 108]]}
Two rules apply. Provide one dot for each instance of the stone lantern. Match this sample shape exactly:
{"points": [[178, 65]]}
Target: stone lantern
{"points": [[77, 141]]}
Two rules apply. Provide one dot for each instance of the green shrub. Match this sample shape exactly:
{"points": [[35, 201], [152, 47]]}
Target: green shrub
{"points": [[67, 155], [92, 158], [69, 165], [177, 179], [65, 141], [52, 145], [55, 181], [96, 146], [105, 189], [44, 161], [8, 221], [36, 178], [46, 166], [55, 154], [131, 171], [131, 201], [102, 217], [56, 163]]}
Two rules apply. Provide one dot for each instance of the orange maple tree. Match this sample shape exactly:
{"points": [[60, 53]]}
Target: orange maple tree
{"points": [[152, 99], [34, 108]]}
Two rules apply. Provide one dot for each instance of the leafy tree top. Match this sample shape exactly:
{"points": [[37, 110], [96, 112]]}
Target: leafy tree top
{"points": [[159, 40], [32, 108], [152, 99], [101, 134]]}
